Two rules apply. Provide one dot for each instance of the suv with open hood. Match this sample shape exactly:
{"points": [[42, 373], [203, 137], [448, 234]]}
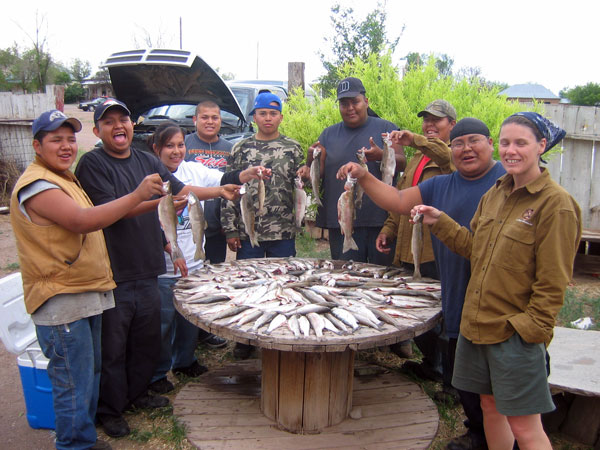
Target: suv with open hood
{"points": [[158, 85]]}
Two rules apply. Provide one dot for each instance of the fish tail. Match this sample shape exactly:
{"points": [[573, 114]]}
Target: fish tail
{"points": [[176, 252], [199, 253], [349, 244]]}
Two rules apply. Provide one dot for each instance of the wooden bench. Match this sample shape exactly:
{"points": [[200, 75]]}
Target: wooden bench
{"points": [[575, 372]]}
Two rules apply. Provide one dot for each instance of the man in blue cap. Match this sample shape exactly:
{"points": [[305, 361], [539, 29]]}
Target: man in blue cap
{"points": [[274, 225], [67, 279]]}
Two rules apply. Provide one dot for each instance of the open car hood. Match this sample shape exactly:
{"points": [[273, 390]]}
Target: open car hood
{"points": [[147, 78]]}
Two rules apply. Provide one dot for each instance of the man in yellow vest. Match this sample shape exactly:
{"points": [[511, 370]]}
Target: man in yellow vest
{"points": [[67, 279]]}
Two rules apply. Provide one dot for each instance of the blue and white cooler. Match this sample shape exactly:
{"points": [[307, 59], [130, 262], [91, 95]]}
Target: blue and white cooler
{"points": [[17, 332]]}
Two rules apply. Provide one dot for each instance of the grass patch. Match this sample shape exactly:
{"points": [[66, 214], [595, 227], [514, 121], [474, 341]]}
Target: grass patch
{"points": [[309, 247], [11, 267], [577, 305]]}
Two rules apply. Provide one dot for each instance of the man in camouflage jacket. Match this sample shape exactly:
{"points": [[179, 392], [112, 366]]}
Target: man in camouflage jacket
{"points": [[275, 228]]}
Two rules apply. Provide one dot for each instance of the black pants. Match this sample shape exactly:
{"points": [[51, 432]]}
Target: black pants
{"points": [[130, 339], [215, 248]]}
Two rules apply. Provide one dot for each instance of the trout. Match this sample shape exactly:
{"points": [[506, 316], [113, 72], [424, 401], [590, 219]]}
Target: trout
{"points": [[315, 175], [248, 215], [362, 160], [300, 202], [198, 223], [261, 194], [346, 214], [416, 244], [168, 220], [388, 161]]}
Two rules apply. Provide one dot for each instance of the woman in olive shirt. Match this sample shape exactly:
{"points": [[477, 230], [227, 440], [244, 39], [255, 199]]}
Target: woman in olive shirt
{"points": [[525, 235]]}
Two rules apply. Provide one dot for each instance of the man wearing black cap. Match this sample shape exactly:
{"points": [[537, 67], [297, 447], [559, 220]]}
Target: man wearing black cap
{"points": [[458, 194], [131, 330], [67, 280], [339, 144]]}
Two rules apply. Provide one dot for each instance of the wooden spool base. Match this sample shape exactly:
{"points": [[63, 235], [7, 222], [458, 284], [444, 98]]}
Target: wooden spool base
{"points": [[222, 411]]}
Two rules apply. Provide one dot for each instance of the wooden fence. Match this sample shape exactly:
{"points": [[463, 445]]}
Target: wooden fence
{"points": [[577, 169], [17, 112]]}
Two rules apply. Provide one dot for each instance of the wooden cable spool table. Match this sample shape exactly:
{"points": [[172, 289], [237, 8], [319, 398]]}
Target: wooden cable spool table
{"points": [[307, 381]]}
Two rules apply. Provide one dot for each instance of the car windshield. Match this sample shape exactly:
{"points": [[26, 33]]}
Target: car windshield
{"points": [[175, 112]]}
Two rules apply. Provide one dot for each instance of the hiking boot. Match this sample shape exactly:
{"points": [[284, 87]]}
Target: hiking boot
{"points": [[114, 426], [161, 386], [213, 341], [101, 445], [242, 351], [421, 370], [447, 395], [147, 401], [193, 370], [402, 349], [468, 441]]}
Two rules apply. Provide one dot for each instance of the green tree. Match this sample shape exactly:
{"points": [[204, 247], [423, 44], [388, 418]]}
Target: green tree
{"points": [[588, 95], [80, 70], [443, 62], [354, 39]]}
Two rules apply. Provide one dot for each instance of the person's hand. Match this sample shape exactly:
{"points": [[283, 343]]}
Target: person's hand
{"points": [[303, 172], [180, 265], [234, 244], [180, 202], [382, 244], [149, 186], [354, 169], [255, 173], [402, 137], [430, 214], [374, 153], [230, 192]]}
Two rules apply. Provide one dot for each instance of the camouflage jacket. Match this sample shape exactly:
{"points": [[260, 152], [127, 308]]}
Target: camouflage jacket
{"points": [[283, 156]]}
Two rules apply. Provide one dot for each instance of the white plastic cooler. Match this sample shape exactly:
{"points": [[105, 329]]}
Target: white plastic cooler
{"points": [[17, 333]]}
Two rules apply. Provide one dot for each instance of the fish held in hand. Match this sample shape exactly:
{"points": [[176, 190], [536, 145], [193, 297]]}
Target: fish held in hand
{"points": [[388, 161], [362, 160], [346, 215], [315, 175], [300, 201], [168, 220], [416, 245], [261, 194], [248, 215], [198, 223]]}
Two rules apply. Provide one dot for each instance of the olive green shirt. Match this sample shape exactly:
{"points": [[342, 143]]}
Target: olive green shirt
{"points": [[522, 250], [399, 227]]}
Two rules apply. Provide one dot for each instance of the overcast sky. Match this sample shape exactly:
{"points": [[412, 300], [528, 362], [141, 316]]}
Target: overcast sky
{"points": [[553, 43]]}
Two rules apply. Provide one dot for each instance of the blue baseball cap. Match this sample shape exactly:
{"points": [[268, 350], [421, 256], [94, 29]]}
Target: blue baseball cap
{"points": [[51, 120], [108, 104], [264, 100]]}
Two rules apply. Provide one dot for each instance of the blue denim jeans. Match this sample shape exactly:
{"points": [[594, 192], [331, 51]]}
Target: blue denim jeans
{"points": [[179, 337], [270, 249], [74, 371]]}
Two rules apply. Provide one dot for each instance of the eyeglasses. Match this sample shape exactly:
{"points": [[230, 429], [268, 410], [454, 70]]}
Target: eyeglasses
{"points": [[460, 145]]}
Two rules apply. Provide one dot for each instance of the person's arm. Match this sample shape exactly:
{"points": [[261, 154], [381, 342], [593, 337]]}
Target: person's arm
{"points": [[304, 171], [227, 191], [437, 150], [375, 153], [55, 206], [243, 176], [385, 196]]}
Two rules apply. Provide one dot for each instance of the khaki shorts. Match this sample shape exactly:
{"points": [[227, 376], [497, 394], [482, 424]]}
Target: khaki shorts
{"points": [[513, 371]]}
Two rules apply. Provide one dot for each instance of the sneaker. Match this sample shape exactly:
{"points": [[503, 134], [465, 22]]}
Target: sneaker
{"points": [[421, 370], [147, 401], [468, 441], [213, 341], [402, 349], [114, 426], [242, 351], [193, 370], [161, 386], [101, 445]]}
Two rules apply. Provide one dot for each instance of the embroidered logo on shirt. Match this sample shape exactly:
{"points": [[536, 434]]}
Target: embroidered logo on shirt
{"points": [[526, 217]]}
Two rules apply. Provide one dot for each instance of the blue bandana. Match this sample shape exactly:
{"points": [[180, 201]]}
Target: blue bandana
{"points": [[553, 133]]}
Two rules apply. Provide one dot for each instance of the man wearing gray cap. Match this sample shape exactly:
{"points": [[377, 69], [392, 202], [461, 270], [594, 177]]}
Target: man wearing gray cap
{"points": [[338, 144], [458, 194], [67, 280]]}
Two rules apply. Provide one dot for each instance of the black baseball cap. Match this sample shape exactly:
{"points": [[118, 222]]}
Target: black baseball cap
{"points": [[108, 104], [349, 88]]}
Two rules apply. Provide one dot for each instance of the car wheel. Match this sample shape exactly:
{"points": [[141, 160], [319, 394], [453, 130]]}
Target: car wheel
{"points": [[91, 108]]}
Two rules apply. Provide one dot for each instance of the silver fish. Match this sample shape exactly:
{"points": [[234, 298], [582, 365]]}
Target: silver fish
{"points": [[300, 201], [304, 325], [346, 215], [328, 324], [388, 161], [416, 245], [346, 317], [248, 215], [315, 175], [168, 220], [266, 317], [279, 320], [294, 325], [362, 160], [198, 223], [317, 323], [261, 194]]}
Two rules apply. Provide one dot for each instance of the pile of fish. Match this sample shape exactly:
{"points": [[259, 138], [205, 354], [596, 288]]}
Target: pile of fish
{"points": [[306, 296]]}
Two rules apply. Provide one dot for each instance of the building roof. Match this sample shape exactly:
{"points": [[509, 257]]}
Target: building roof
{"points": [[528, 90]]}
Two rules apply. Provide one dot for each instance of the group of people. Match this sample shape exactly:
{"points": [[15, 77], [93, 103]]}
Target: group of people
{"points": [[98, 273]]}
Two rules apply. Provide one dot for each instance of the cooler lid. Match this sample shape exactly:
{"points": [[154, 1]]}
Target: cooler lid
{"points": [[17, 330]]}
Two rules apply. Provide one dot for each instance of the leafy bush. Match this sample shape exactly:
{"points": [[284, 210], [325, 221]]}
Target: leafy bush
{"points": [[400, 99], [74, 93]]}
